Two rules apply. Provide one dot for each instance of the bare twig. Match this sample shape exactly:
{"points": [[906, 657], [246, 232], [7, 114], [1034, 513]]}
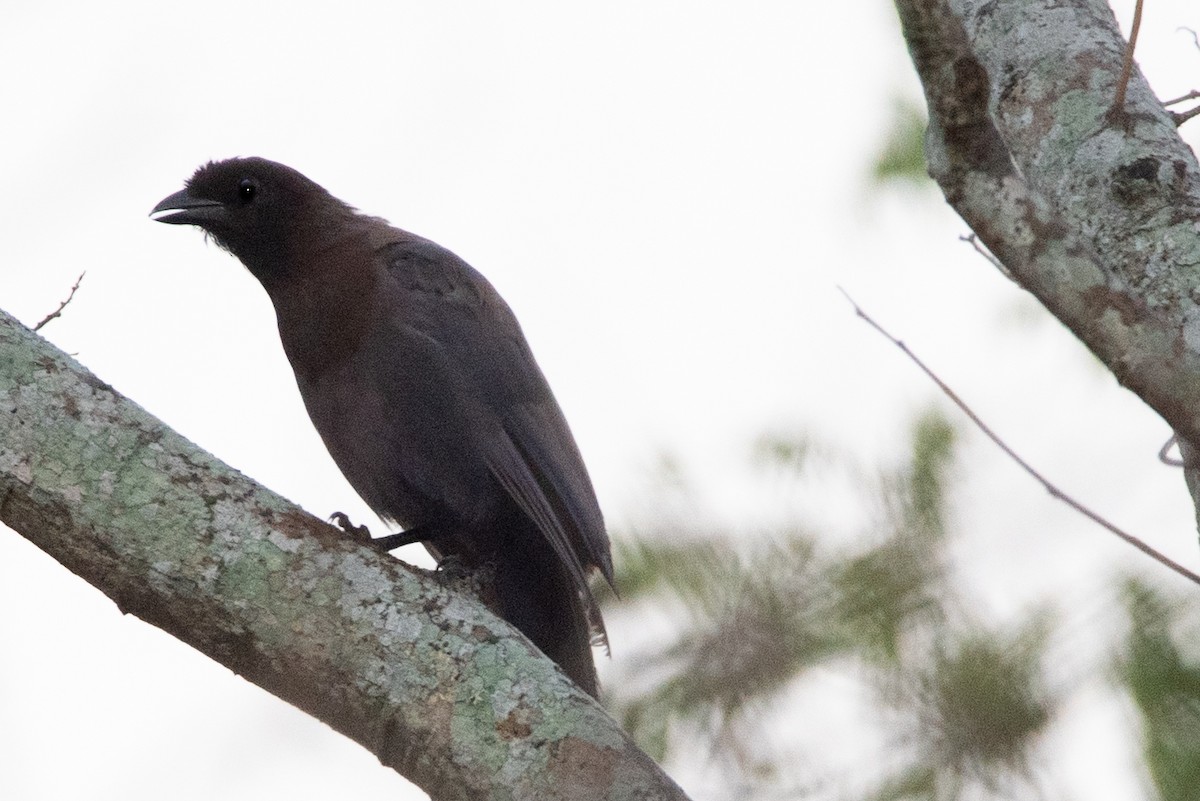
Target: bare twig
{"points": [[1192, 95], [1054, 491], [1195, 38], [1127, 63], [973, 240], [58, 312], [1164, 453], [1180, 117]]}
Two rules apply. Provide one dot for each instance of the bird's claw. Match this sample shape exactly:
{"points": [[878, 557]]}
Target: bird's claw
{"points": [[342, 521]]}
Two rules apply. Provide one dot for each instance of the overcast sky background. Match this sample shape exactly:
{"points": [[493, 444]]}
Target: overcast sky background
{"points": [[667, 194]]}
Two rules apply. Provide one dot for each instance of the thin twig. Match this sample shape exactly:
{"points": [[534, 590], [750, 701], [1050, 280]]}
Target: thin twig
{"points": [[1180, 117], [58, 312], [1054, 491], [974, 242], [1195, 38], [1127, 63], [1192, 95], [1164, 453]]}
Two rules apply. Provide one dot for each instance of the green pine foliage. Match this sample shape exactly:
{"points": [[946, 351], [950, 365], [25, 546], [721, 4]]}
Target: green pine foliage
{"points": [[756, 616], [902, 156], [1164, 682]]}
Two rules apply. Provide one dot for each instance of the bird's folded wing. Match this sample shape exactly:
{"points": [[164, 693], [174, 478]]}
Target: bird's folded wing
{"points": [[527, 485]]}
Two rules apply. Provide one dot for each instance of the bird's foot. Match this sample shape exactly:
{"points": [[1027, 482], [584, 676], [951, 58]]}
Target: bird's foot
{"points": [[388, 542], [342, 521]]}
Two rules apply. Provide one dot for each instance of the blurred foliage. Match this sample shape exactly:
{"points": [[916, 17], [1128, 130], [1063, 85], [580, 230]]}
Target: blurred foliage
{"points": [[1166, 688], [753, 622], [982, 704], [884, 588], [961, 705], [902, 157]]}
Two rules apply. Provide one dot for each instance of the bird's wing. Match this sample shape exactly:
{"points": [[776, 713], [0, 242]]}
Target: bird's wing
{"points": [[533, 455], [515, 472]]}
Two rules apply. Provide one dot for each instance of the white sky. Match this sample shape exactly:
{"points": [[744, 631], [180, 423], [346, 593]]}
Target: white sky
{"points": [[667, 194]]}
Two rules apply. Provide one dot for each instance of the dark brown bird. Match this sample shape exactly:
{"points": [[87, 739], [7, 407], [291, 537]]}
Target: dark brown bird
{"points": [[418, 378]]}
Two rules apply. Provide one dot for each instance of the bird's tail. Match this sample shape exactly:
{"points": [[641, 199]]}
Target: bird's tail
{"points": [[536, 593]]}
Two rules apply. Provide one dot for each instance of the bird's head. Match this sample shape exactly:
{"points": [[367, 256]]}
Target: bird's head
{"points": [[251, 207]]}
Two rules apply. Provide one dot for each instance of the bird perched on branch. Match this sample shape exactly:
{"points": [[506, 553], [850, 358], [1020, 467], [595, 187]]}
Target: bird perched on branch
{"points": [[418, 378]]}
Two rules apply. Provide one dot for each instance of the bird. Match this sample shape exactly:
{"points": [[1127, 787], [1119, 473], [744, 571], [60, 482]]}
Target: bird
{"points": [[420, 382]]}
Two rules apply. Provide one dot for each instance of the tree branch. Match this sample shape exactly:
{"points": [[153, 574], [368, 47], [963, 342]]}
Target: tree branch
{"points": [[1051, 488], [1127, 60], [425, 678], [58, 312], [1093, 213]]}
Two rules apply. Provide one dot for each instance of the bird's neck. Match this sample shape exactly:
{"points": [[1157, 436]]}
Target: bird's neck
{"points": [[325, 305]]}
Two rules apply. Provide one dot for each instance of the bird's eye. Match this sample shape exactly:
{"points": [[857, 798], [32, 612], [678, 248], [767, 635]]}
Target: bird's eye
{"points": [[247, 189]]}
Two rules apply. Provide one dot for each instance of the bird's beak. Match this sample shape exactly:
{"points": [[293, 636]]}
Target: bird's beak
{"points": [[187, 210]]}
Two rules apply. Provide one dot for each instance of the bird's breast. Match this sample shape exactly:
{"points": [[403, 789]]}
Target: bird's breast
{"points": [[326, 313]]}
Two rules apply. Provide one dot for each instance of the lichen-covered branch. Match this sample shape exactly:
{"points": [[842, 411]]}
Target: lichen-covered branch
{"points": [[427, 679], [1093, 209]]}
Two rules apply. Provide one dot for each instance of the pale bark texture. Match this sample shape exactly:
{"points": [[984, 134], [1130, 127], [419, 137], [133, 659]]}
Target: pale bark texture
{"points": [[424, 677], [1094, 210]]}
